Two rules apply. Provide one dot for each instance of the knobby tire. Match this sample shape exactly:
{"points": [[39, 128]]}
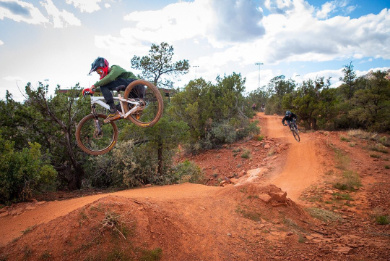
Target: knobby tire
{"points": [[296, 135], [152, 99], [89, 142]]}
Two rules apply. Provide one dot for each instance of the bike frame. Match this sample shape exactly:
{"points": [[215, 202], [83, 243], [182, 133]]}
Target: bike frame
{"points": [[100, 101], [293, 124]]}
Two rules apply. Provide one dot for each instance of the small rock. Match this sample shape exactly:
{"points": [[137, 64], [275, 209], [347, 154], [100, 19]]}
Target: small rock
{"points": [[265, 197]]}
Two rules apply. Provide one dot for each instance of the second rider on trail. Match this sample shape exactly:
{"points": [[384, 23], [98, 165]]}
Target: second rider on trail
{"points": [[110, 79]]}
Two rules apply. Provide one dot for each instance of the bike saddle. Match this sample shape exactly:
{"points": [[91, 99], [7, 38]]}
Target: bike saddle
{"points": [[120, 88]]}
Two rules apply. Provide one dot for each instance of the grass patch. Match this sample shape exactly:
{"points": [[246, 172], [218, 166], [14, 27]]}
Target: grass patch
{"points": [[271, 152], [324, 215], [361, 134], [342, 138], [378, 147], [27, 252], [350, 181], [381, 216], [45, 255], [342, 160], [384, 140], [246, 154], [375, 156], [29, 229], [342, 196], [151, 255], [382, 220], [112, 221], [236, 151], [259, 138], [252, 215]]}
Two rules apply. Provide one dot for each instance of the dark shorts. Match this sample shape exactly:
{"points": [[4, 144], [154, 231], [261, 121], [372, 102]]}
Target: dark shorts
{"points": [[137, 92]]}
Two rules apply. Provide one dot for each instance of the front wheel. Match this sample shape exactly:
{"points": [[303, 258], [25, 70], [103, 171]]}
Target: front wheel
{"points": [[150, 99], [296, 134], [94, 137]]}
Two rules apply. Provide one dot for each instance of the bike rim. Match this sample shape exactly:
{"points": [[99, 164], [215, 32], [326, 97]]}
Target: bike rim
{"points": [[296, 136], [92, 140], [152, 104]]}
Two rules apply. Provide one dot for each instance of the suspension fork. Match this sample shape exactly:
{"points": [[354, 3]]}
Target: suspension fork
{"points": [[98, 129]]}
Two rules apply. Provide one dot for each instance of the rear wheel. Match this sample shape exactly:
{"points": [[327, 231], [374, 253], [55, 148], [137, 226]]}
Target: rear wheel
{"points": [[151, 103], [94, 137]]}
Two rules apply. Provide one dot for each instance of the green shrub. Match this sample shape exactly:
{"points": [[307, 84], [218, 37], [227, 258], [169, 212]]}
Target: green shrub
{"points": [[126, 166], [23, 173], [188, 171], [246, 154], [382, 220], [379, 148], [224, 133], [384, 141]]}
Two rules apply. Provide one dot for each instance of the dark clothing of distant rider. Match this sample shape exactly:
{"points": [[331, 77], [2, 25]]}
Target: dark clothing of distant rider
{"points": [[289, 117]]}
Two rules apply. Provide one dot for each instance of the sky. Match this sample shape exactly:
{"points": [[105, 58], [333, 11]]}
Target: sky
{"points": [[55, 41]]}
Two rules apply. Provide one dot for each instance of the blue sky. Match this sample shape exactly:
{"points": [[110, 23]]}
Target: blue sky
{"points": [[55, 41]]}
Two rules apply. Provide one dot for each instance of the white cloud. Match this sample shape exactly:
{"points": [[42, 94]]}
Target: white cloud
{"points": [[1, 42], [13, 78], [172, 23], [236, 20], [21, 11], [279, 6], [334, 6], [326, 8], [88, 6], [234, 32], [300, 36], [60, 18], [230, 21]]}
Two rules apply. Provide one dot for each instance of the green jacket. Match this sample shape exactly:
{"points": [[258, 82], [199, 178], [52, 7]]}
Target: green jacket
{"points": [[115, 73]]}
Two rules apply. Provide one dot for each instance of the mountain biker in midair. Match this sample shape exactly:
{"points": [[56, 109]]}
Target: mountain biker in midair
{"points": [[289, 117], [110, 79]]}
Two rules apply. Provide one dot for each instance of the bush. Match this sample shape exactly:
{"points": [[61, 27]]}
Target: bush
{"points": [[126, 166], [223, 133], [188, 171], [23, 173]]}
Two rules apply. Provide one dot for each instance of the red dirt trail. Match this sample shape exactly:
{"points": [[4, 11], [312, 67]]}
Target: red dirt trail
{"points": [[253, 209]]}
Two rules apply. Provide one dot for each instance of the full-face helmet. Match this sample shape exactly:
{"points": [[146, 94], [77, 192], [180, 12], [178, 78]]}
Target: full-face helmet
{"points": [[100, 65]]}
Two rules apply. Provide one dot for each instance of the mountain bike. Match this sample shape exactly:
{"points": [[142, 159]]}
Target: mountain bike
{"points": [[294, 129], [95, 137]]}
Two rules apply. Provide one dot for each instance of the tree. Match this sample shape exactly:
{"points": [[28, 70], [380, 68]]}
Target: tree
{"points": [[277, 89], [371, 106], [349, 79], [308, 101], [213, 112], [159, 63], [52, 122]]}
